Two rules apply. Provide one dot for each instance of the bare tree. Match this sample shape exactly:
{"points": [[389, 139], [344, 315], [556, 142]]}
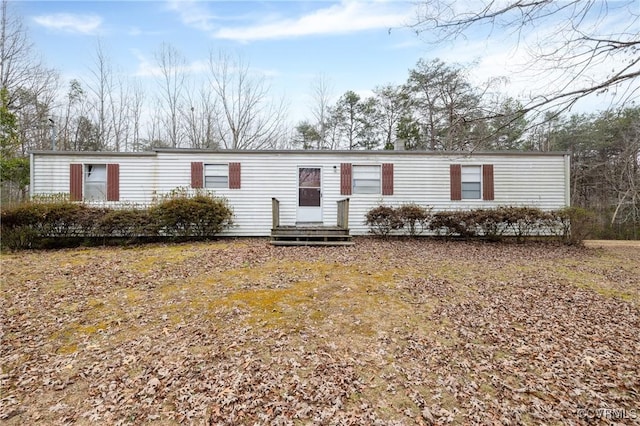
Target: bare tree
{"points": [[137, 102], [321, 97], [34, 111], [29, 87], [250, 120], [101, 87], [580, 38], [172, 82], [120, 106], [74, 108], [17, 61], [201, 117]]}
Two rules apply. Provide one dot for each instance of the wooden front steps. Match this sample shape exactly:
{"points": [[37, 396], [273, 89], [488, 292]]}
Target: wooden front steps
{"points": [[310, 236]]}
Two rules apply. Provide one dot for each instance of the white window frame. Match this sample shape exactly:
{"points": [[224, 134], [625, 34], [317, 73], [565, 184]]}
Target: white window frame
{"points": [[471, 178], [94, 182], [219, 174], [366, 179]]}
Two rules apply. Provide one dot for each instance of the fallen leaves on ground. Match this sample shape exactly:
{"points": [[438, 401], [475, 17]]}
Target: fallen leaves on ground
{"points": [[399, 332]]}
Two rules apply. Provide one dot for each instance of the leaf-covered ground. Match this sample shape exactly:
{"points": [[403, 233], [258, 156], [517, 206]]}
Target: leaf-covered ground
{"points": [[384, 332]]}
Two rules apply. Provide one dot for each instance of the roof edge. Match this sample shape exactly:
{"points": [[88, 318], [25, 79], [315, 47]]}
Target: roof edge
{"points": [[155, 151], [102, 153]]}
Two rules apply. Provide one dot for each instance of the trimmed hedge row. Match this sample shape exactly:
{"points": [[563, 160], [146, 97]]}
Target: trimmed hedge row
{"points": [[571, 224], [58, 223]]}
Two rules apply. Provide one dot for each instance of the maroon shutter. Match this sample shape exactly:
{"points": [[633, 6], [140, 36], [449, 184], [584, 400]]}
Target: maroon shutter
{"points": [[387, 179], [487, 182], [197, 174], [234, 175], [75, 182], [345, 179], [456, 181], [113, 182]]}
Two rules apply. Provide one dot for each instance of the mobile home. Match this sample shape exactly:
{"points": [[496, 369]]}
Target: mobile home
{"points": [[308, 185]]}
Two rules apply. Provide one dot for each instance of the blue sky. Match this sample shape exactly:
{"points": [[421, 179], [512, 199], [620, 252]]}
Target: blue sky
{"points": [[290, 42]]}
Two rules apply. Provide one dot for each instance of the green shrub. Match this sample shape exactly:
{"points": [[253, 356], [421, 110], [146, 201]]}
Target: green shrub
{"points": [[127, 223], [55, 224], [495, 224], [69, 219], [522, 221], [201, 216], [382, 220], [489, 223], [25, 214], [19, 237], [458, 223], [415, 219]]}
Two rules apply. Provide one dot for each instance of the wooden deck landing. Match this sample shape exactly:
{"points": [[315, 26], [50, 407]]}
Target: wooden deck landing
{"points": [[303, 235]]}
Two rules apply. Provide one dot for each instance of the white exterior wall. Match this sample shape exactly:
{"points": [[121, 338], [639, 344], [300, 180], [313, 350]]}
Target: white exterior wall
{"points": [[519, 180], [50, 174]]}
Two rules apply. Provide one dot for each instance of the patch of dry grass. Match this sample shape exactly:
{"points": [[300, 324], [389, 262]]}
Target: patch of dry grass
{"points": [[384, 332]]}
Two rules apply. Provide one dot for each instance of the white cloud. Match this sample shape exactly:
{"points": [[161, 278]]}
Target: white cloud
{"points": [[346, 16], [67, 22], [135, 31], [193, 14], [148, 68]]}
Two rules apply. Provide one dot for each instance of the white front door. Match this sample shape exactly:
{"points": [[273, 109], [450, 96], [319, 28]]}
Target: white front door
{"points": [[309, 194]]}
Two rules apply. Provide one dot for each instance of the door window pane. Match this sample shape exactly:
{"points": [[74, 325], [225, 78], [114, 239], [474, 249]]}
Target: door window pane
{"points": [[309, 197], [309, 177]]}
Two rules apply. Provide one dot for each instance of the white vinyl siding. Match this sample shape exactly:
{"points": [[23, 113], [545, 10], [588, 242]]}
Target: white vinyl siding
{"points": [[216, 176], [530, 179], [95, 182], [365, 179], [471, 182]]}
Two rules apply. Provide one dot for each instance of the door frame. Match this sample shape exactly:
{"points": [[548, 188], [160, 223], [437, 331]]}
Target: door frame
{"points": [[308, 214]]}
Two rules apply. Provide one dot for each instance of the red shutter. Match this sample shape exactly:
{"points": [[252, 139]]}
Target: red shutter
{"points": [[345, 179], [487, 182], [387, 179], [75, 182], [234, 175], [113, 182], [197, 174], [456, 181]]}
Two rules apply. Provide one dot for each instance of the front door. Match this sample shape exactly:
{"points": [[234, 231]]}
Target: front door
{"points": [[309, 194]]}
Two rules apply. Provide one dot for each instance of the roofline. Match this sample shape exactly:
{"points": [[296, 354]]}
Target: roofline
{"points": [[94, 153], [310, 152]]}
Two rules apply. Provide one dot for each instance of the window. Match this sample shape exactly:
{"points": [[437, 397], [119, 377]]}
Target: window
{"points": [[216, 176], [95, 182], [366, 179], [471, 182]]}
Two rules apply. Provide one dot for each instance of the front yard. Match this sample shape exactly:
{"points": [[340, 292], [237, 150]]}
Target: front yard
{"points": [[398, 332]]}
